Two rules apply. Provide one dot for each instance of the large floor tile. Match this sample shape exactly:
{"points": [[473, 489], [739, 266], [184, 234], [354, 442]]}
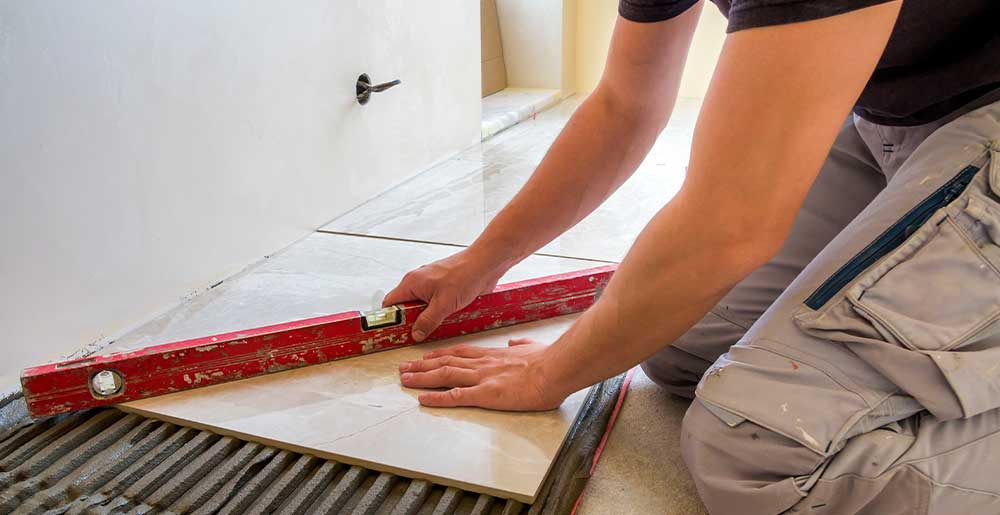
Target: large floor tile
{"points": [[453, 202], [319, 275], [355, 410]]}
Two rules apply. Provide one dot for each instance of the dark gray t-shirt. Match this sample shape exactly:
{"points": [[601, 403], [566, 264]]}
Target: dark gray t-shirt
{"points": [[943, 55]]}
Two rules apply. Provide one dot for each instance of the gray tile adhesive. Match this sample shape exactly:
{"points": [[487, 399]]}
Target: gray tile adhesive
{"points": [[105, 461]]}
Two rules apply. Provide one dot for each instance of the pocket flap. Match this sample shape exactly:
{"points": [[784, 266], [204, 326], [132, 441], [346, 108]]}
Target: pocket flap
{"points": [[974, 376], [779, 393], [938, 297]]}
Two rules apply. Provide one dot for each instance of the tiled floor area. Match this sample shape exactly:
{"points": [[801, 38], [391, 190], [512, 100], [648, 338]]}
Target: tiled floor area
{"points": [[319, 275], [354, 411], [641, 470], [453, 202], [505, 108], [424, 219]]}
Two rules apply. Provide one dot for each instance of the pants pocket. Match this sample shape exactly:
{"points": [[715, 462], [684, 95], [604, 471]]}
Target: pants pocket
{"points": [[775, 387], [926, 313], [939, 290], [931, 282]]}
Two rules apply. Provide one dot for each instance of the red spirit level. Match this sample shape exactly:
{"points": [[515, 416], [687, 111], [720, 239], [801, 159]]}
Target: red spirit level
{"points": [[127, 376]]}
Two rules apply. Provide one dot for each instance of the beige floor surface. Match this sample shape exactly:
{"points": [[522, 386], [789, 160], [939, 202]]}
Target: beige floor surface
{"points": [[641, 470]]}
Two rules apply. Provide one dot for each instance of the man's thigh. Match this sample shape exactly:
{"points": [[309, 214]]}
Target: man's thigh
{"points": [[898, 314], [848, 181], [919, 465]]}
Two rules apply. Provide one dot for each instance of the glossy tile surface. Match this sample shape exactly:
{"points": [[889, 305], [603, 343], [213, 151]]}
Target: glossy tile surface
{"points": [[454, 201], [509, 106], [354, 410], [320, 275]]}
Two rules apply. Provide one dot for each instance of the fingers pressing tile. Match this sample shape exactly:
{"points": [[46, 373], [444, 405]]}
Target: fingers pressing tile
{"points": [[444, 377], [449, 399]]}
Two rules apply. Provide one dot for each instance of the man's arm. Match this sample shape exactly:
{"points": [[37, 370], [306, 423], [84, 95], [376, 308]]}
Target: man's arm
{"points": [[603, 142], [600, 147], [777, 100]]}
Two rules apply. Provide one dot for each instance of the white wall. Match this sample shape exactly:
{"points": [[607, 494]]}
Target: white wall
{"points": [[531, 34], [569, 38], [150, 149], [538, 38], [595, 22], [705, 49]]}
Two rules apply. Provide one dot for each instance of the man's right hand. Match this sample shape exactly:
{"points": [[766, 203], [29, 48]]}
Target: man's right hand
{"points": [[446, 285]]}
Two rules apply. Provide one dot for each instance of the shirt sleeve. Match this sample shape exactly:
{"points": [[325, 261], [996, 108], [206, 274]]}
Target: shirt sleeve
{"points": [[745, 14], [646, 11], [748, 14]]}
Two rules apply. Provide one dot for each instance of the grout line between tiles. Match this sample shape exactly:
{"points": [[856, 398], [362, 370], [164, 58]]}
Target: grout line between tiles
{"points": [[456, 245]]}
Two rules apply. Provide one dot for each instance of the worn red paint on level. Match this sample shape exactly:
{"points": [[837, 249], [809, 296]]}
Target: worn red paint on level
{"points": [[63, 387]]}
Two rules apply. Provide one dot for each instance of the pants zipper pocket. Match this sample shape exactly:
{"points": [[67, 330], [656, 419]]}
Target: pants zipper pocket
{"points": [[893, 237]]}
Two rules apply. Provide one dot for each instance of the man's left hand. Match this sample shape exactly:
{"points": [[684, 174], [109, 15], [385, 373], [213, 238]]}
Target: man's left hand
{"points": [[508, 378]]}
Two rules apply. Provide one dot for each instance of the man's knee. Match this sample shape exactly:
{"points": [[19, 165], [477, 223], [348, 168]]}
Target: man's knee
{"points": [[743, 468], [675, 371], [679, 367]]}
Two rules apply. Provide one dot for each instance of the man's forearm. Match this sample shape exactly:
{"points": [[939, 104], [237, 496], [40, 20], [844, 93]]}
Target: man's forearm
{"points": [[585, 165], [680, 266], [602, 144]]}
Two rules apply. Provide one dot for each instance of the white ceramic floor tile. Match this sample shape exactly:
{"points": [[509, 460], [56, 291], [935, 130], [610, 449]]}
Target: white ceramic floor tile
{"points": [[506, 108], [527, 140], [319, 275], [454, 201], [354, 410]]}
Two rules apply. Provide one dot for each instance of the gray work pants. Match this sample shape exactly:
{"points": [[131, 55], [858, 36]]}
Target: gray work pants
{"points": [[859, 371]]}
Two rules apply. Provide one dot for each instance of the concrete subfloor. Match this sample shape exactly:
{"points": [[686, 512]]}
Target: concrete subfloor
{"points": [[641, 470]]}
